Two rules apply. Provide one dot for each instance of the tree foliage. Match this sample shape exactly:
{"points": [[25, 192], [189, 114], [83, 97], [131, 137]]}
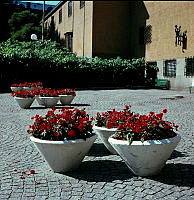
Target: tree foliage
{"points": [[23, 24]]}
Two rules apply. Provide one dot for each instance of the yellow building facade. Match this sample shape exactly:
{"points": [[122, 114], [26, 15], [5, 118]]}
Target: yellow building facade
{"points": [[160, 31]]}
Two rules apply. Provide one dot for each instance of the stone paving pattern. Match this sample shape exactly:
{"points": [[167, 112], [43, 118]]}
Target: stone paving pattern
{"points": [[101, 175]]}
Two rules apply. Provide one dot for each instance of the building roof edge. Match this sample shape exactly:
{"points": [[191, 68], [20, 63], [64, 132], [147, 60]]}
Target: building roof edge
{"points": [[54, 10]]}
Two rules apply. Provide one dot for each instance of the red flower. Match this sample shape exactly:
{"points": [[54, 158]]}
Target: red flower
{"points": [[71, 133], [32, 171], [164, 111]]}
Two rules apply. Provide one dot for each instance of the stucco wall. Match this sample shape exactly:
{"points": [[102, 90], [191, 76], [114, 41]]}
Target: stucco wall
{"points": [[80, 23], [163, 16], [82, 29], [111, 28]]}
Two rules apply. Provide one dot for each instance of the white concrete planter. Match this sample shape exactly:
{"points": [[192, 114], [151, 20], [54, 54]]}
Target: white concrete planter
{"points": [[16, 88], [40, 102], [66, 99], [24, 102], [31, 88], [63, 156], [104, 133], [49, 101], [147, 158]]}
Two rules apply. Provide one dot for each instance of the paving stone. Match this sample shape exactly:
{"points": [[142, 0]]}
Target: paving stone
{"points": [[102, 176]]}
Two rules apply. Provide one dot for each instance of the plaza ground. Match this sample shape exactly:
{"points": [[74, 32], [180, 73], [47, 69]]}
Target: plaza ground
{"points": [[101, 175]]}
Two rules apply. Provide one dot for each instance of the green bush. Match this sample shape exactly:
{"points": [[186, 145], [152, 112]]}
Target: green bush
{"points": [[58, 67]]}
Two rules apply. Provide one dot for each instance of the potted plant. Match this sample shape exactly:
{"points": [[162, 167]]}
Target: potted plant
{"points": [[106, 124], [24, 98], [48, 97], [63, 138], [66, 96], [145, 142]]}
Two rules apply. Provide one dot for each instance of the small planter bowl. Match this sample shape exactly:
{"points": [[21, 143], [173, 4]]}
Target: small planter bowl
{"points": [[49, 101], [66, 99], [24, 102]]}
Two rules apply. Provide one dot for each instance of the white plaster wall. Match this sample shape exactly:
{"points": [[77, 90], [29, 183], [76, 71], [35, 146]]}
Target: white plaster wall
{"points": [[180, 82]]}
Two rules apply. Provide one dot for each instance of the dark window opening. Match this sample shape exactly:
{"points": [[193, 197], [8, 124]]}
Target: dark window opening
{"points": [[69, 40], [60, 16], [170, 68], [82, 4], [69, 8], [189, 67]]}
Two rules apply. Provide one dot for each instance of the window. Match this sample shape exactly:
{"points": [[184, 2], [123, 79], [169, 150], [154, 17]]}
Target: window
{"points": [[170, 68], [189, 67], [52, 19], [69, 40], [60, 16], [69, 8], [82, 4]]}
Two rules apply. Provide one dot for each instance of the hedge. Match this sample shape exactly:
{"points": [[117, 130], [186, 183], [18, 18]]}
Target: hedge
{"points": [[57, 67]]}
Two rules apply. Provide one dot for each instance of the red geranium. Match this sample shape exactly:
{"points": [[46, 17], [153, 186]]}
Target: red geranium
{"points": [[112, 118], [23, 94], [66, 124], [27, 84], [66, 92], [48, 92], [135, 127]]}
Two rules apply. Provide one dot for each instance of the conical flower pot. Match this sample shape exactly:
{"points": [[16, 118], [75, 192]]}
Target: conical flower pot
{"points": [[49, 101], [24, 102], [104, 133], [63, 156], [66, 99], [147, 158]]}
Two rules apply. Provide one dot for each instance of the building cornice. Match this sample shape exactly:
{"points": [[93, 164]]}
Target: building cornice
{"points": [[54, 9]]}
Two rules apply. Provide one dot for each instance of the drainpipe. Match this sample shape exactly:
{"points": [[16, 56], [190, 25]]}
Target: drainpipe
{"points": [[84, 30], [43, 13]]}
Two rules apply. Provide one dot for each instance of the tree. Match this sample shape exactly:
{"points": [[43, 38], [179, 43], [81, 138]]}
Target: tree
{"points": [[23, 24], [6, 10]]}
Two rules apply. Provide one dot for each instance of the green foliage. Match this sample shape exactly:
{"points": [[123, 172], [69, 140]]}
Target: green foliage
{"points": [[46, 61], [23, 24]]}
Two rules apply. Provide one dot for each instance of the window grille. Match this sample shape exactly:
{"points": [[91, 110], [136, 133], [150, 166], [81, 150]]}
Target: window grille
{"points": [[69, 8], [189, 67], [69, 40], [82, 4], [60, 16], [170, 68]]}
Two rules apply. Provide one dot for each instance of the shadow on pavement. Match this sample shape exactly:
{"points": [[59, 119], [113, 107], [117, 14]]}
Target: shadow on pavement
{"points": [[58, 106], [179, 174], [101, 171], [98, 150], [176, 154]]}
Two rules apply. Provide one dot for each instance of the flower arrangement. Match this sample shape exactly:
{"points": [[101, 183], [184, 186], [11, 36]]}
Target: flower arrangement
{"points": [[23, 94], [27, 84], [47, 92], [67, 124], [135, 127], [66, 92]]}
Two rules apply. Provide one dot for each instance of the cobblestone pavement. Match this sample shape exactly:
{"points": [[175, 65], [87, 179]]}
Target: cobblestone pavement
{"points": [[101, 175]]}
